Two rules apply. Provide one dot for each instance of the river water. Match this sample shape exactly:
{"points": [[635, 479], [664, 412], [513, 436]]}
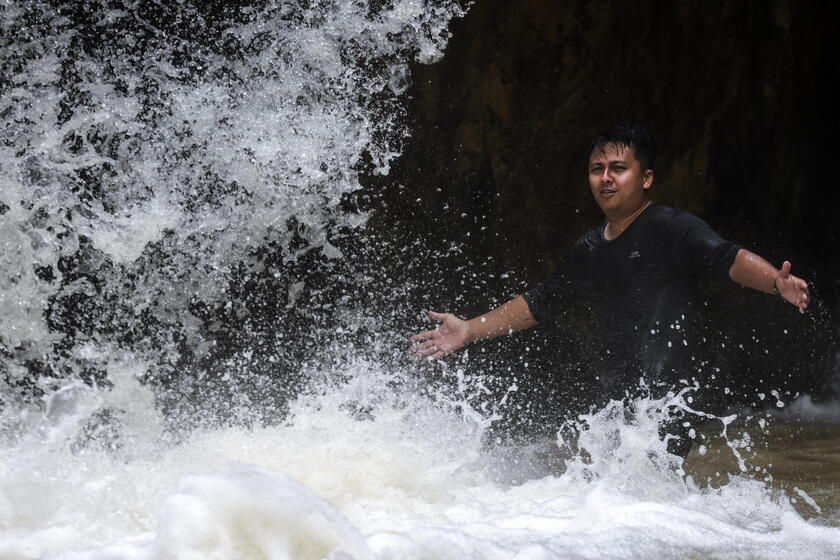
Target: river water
{"points": [[151, 157], [371, 467]]}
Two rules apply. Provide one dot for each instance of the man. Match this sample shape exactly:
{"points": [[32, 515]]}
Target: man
{"points": [[640, 277]]}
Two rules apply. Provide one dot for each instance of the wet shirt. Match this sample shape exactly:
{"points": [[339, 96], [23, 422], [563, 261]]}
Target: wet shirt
{"points": [[643, 292]]}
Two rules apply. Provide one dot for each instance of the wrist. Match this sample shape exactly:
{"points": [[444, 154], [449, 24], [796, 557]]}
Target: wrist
{"points": [[775, 286], [469, 331]]}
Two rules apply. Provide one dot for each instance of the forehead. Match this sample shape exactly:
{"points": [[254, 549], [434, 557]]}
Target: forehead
{"points": [[612, 152]]}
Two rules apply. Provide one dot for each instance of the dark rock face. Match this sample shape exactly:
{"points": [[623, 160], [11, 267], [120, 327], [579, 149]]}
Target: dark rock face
{"points": [[737, 97]]}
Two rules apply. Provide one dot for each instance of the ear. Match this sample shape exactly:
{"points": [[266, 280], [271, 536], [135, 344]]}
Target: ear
{"points": [[647, 179]]}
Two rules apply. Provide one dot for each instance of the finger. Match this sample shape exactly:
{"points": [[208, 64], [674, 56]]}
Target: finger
{"points": [[437, 316], [785, 268], [425, 335], [424, 352], [439, 354], [423, 346]]}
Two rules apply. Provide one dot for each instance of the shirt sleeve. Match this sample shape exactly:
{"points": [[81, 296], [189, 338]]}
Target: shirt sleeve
{"points": [[546, 299], [706, 249], [553, 298]]}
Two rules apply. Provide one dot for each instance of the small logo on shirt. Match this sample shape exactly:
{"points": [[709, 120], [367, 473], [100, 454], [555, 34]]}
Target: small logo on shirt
{"points": [[635, 255]]}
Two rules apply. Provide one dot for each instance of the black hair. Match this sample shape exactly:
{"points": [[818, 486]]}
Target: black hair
{"points": [[627, 135]]}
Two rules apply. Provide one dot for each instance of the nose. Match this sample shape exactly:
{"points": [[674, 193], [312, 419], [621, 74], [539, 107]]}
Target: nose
{"points": [[605, 176]]}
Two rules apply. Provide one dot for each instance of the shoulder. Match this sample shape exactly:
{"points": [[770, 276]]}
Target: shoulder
{"points": [[587, 243], [673, 220]]}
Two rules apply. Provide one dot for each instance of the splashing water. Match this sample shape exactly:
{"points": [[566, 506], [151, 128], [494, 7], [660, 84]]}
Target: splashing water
{"points": [[147, 154], [370, 466]]}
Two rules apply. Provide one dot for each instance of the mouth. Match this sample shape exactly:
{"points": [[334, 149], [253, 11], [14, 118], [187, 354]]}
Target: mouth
{"points": [[607, 193]]}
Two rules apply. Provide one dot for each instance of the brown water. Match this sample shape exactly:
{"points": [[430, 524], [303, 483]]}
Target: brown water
{"points": [[789, 454]]}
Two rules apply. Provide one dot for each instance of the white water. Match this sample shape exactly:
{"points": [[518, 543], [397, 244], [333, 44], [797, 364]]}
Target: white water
{"points": [[146, 156], [369, 468]]}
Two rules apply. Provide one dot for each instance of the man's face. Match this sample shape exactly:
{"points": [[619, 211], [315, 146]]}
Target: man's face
{"points": [[617, 180]]}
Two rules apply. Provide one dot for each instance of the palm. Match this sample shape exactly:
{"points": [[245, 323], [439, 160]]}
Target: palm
{"points": [[793, 289], [449, 336]]}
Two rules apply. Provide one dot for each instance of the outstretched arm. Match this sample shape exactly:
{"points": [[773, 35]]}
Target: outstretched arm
{"points": [[752, 271], [453, 333]]}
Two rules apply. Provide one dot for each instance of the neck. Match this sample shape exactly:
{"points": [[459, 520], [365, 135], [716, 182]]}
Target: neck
{"points": [[617, 224]]}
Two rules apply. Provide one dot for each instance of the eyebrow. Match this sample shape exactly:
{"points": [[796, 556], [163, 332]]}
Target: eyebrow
{"points": [[594, 163]]}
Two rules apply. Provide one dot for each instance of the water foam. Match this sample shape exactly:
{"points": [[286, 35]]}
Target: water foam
{"points": [[369, 465]]}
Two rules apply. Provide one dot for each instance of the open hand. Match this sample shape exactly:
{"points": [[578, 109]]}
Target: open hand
{"points": [[450, 335], [791, 288]]}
